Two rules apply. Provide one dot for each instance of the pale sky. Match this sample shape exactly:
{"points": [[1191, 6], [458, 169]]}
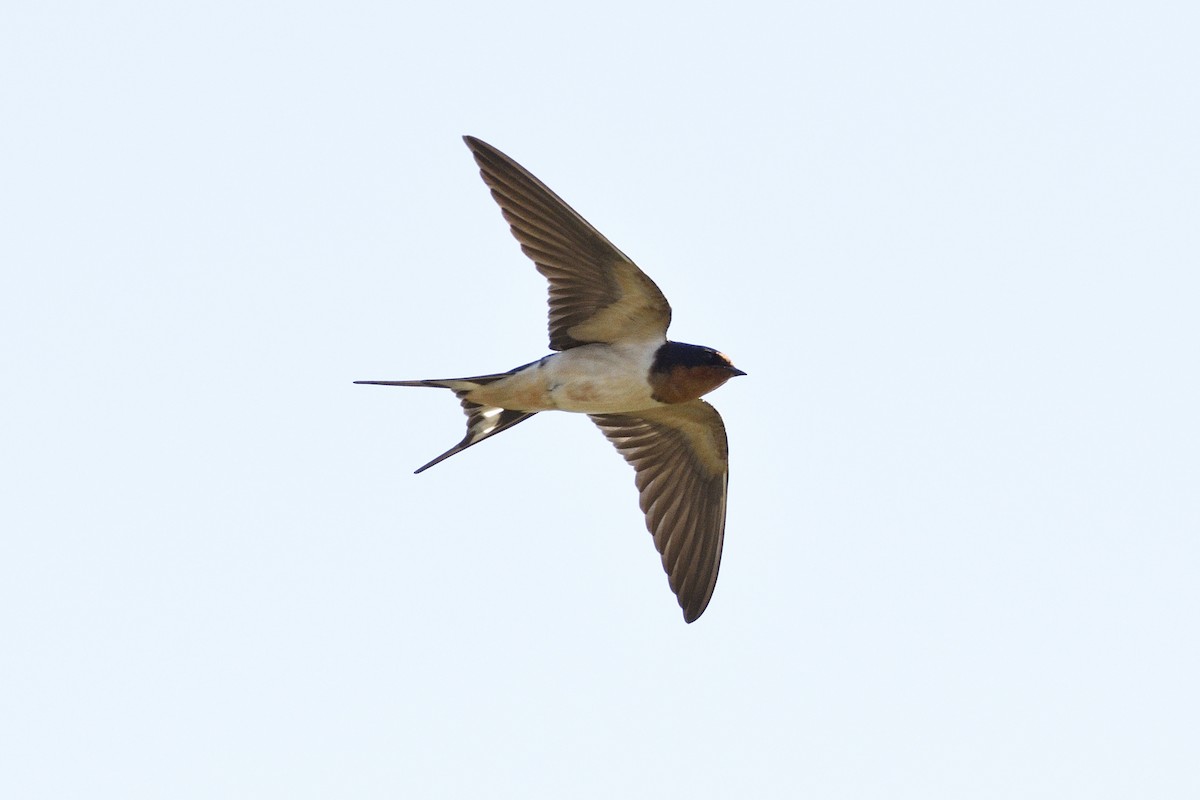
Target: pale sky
{"points": [[955, 246]]}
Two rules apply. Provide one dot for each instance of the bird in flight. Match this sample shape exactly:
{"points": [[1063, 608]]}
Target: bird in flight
{"points": [[608, 324]]}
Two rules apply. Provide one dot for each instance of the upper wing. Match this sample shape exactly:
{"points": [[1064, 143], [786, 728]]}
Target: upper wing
{"points": [[596, 293], [681, 457]]}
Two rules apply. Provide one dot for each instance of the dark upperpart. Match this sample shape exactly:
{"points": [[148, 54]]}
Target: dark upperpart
{"points": [[683, 372]]}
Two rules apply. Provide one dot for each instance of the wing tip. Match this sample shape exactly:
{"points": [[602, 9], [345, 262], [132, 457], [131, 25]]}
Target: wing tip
{"points": [[693, 613]]}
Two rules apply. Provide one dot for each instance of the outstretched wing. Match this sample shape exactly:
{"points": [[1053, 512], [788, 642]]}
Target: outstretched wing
{"points": [[681, 457], [596, 293]]}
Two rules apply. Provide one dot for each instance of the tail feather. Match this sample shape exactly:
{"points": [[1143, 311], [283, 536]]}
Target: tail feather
{"points": [[456, 384], [482, 421]]}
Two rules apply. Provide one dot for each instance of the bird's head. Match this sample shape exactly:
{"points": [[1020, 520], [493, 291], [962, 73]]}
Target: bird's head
{"points": [[683, 372]]}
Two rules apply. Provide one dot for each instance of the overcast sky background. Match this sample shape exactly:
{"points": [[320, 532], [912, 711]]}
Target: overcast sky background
{"points": [[954, 246]]}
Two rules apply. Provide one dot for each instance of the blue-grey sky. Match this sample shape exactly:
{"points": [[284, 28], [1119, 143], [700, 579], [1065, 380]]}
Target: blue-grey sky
{"points": [[954, 246]]}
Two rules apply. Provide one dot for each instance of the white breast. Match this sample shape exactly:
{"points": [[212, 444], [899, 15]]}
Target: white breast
{"points": [[601, 378]]}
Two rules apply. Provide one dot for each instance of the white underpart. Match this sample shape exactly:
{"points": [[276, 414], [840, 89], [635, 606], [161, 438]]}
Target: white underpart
{"points": [[591, 379], [488, 419]]}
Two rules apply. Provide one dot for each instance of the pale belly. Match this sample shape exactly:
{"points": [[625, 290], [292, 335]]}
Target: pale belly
{"points": [[593, 379]]}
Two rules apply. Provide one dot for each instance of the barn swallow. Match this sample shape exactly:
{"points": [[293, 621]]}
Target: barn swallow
{"points": [[613, 362]]}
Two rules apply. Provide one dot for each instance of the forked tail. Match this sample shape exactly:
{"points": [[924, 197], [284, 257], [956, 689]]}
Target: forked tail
{"points": [[482, 421]]}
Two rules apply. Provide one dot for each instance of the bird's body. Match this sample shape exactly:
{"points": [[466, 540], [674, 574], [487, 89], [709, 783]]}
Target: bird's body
{"points": [[590, 379], [608, 321]]}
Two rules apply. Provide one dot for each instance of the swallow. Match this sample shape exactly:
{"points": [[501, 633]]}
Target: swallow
{"points": [[612, 361]]}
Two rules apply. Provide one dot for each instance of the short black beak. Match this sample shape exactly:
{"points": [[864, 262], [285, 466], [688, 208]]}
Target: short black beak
{"points": [[736, 372]]}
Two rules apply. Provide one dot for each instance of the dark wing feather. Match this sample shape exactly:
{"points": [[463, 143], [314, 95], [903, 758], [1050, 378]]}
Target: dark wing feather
{"points": [[596, 293], [681, 457]]}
